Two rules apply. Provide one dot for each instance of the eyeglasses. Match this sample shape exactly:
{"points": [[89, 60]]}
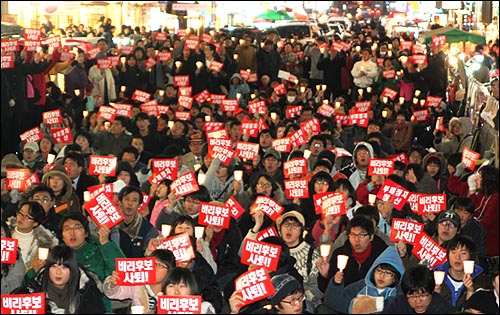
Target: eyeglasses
{"points": [[76, 228], [26, 216], [358, 236], [448, 225], [317, 145], [161, 266], [321, 182], [42, 200], [264, 185], [191, 200], [293, 226], [385, 273], [417, 296], [295, 301]]}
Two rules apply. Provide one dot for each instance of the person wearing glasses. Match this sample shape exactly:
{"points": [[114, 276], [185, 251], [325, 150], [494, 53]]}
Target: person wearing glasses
{"points": [[381, 282], [289, 296], [418, 295], [45, 196], [142, 295], [31, 234], [361, 249], [97, 253]]}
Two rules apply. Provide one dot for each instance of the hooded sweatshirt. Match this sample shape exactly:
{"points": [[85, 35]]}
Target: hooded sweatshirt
{"points": [[357, 177], [341, 298]]}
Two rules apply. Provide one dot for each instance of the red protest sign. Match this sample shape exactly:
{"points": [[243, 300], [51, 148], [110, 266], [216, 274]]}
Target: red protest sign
{"points": [[126, 50], [216, 66], [405, 230], [282, 144], [438, 40], [107, 113], [103, 63], [166, 167], [180, 246], [61, 135], [182, 115], [161, 36], [440, 126], [419, 59], [181, 80], [357, 118], [135, 271], [33, 134], [405, 45], [250, 128], [10, 46], [179, 304], [343, 119], [296, 188], [312, 125], [16, 178], [9, 250], [469, 158], [293, 111], [254, 285], [433, 101], [214, 215], [150, 63], [260, 254], [267, 205], [389, 74], [363, 107], [257, 107], [185, 184], [7, 62], [399, 157], [102, 165], [103, 211], [185, 101], [218, 98], [295, 167], [418, 49], [224, 154], [219, 134], [298, 138], [326, 110], [280, 89], [33, 303], [33, 179], [150, 108], [270, 231], [124, 110], [164, 56], [106, 189], [52, 117], [191, 43], [390, 191], [220, 142], [390, 93], [427, 249], [33, 34], [334, 205], [383, 167], [235, 209], [431, 203], [202, 96], [164, 109], [229, 105], [247, 150], [141, 96], [318, 200], [421, 115], [209, 126]]}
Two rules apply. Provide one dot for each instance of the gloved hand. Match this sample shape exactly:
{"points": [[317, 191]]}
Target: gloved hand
{"points": [[459, 169], [14, 196], [471, 181]]}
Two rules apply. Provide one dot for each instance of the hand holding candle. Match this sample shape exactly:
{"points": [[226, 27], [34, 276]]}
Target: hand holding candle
{"points": [[238, 175], [50, 158], [439, 277], [469, 267], [43, 253], [165, 229], [198, 232], [324, 250], [342, 262]]}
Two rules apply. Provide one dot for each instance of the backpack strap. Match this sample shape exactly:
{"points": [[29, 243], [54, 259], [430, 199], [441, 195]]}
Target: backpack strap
{"points": [[309, 259]]}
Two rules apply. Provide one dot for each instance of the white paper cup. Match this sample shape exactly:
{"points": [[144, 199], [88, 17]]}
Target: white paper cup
{"points": [[86, 196], [138, 309], [337, 105], [379, 303], [417, 93], [360, 92], [43, 253], [50, 158], [238, 96], [401, 100], [208, 118], [238, 175], [123, 88], [302, 89], [371, 199], [274, 115], [198, 231], [323, 87], [165, 229], [439, 277], [324, 250], [342, 261], [369, 89], [469, 266], [77, 92], [170, 124], [385, 99], [307, 154]]}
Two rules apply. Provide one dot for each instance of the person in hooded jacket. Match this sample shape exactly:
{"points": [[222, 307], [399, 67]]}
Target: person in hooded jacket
{"points": [[358, 170], [66, 198], [238, 85], [434, 164], [382, 280], [458, 136]]}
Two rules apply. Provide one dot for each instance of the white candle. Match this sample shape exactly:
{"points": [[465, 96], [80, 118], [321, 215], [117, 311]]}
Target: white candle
{"points": [[122, 59], [165, 229], [123, 88], [178, 64], [43, 253], [107, 124], [201, 178], [422, 102], [274, 115], [401, 100], [77, 92], [235, 56], [307, 154], [170, 124], [137, 309], [439, 277], [323, 87], [50, 158], [85, 113], [369, 89], [208, 118], [389, 46], [318, 87], [324, 250], [199, 64], [360, 92], [358, 48], [238, 95], [252, 96], [389, 53], [337, 105], [86, 196], [372, 198], [52, 77], [403, 59], [325, 102], [342, 261], [385, 99], [415, 100], [161, 92], [468, 266], [197, 166], [385, 113], [198, 231], [417, 93], [302, 89], [238, 175]]}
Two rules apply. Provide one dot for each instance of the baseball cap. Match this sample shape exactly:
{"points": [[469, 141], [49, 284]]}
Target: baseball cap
{"points": [[274, 153], [292, 214], [284, 285], [451, 216], [33, 146]]}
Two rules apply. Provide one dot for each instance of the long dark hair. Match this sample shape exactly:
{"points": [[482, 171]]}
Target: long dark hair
{"points": [[182, 275], [66, 256]]}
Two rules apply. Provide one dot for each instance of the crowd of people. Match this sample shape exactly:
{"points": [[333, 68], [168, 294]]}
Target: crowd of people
{"points": [[302, 99]]}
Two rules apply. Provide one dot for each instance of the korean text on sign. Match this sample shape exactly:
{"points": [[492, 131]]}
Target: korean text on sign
{"points": [[254, 285], [179, 304], [260, 254], [136, 271]]}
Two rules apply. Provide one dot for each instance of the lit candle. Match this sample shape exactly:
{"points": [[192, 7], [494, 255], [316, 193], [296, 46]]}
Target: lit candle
{"points": [[401, 100], [242, 41], [389, 46], [324, 250], [389, 53], [123, 88], [238, 175], [362, 68], [178, 64], [86, 196], [85, 113], [198, 231], [325, 102], [302, 89], [170, 124], [122, 59], [208, 118], [318, 87], [385, 99], [415, 100], [468, 266], [342, 262], [404, 59], [358, 48], [197, 166], [161, 92], [137, 309], [439, 277], [385, 113], [422, 102], [50, 158], [360, 92], [369, 89], [372, 198], [323, 87], [337, 105], [43, 253], [201, 178], [262, 45], [238, 95], [252, 96], [165, 229], [274, 116], [52, 77], [77, 92], [417, 93], [235, 56], [307, 154], [199, 64], [107, 124]]}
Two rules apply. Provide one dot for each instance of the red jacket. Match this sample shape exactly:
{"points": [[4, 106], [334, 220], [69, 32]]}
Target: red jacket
{"points": [[362, 192], [457, 187], [39, 78], [487, 213]]}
